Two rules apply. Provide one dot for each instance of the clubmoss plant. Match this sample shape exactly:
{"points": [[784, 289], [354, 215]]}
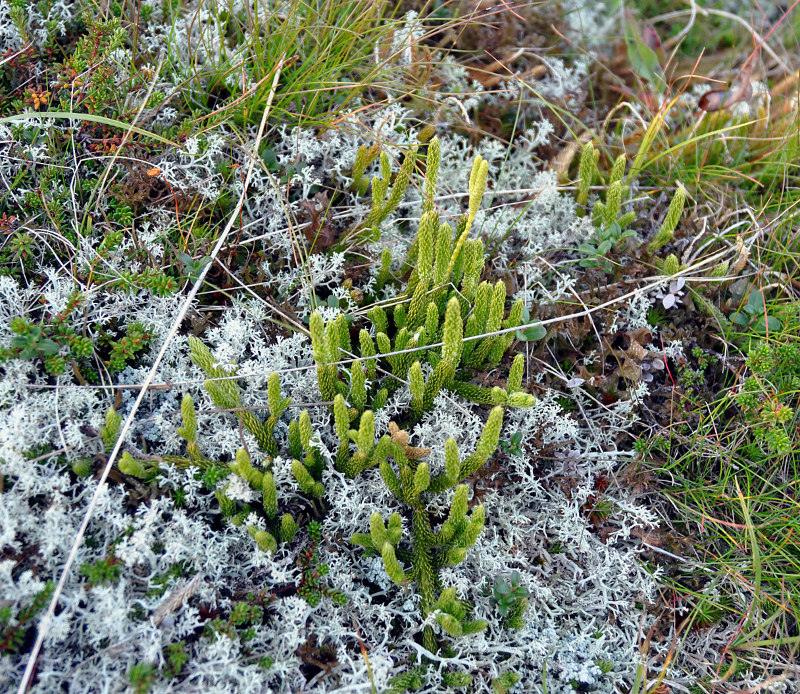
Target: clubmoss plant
{"points": [[368, 453], [671, 265], [225, 393], [442, 300], [587, 171], [430, 549], [188, 431], [307, 473], [667, 229], [604, 214], [364, 157], [110, 430], [386, 197], [611, 226]]}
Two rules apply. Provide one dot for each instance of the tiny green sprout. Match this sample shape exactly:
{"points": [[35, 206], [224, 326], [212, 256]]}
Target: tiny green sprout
{"points": [[142, 676], [671, 264], [192, 268], [533, 332], [506, 594], [102, 571], [456, 680], [128, 465], [82, 467], [605, 666], [606, 238], [411, 680], [176, 659], [266, 542], [707, 612], [505, 681], [110, 430], [512, 446]]}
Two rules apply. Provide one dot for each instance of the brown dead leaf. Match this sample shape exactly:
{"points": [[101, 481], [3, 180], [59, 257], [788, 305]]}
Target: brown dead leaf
{"points": [[718, 99], [630, 370], [636, 351], [641, 335], [592, 379], [635, 478], [319, 234], [402, 437]]}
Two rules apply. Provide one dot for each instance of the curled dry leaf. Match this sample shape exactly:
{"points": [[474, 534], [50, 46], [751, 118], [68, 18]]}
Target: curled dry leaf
{"points": [[636, 351], [630, 370], [718, 99], [402, 437]]}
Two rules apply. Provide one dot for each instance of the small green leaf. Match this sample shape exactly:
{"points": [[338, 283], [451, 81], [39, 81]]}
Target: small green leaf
{"points": [[772, 323], [643, 59], [755, 302], [270, 160], [48, 347], [741, 319], [532, 333], [23, 342]]}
